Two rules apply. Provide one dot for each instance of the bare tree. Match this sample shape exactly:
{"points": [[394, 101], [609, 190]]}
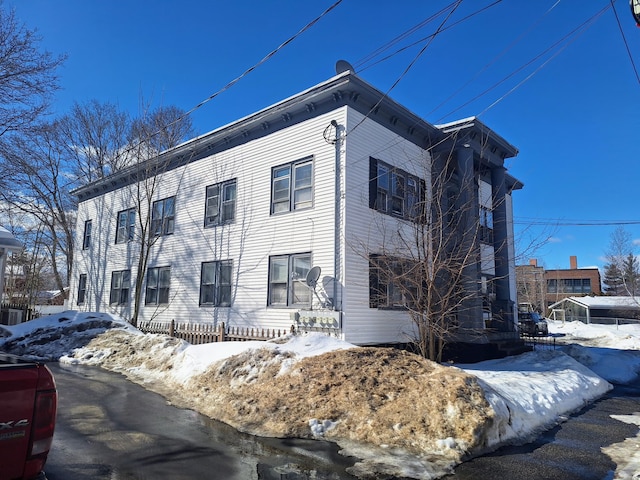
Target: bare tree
{"points": [[429, 261], [40, 172], [151, 134], [96, 138], [27, 75], [621, 270]]}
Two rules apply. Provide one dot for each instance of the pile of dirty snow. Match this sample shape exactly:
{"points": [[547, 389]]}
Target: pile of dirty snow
{"points": [[400, 414]]}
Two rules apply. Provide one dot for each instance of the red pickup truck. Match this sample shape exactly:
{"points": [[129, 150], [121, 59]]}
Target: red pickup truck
{"points": [[28, 403]]}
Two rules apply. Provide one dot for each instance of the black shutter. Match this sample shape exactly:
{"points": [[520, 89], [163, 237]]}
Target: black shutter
{"points": [[373, 182]]}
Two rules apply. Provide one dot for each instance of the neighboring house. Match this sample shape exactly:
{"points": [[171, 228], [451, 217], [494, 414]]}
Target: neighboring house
{"points": [[531, 286], [542, 288], [324, 178], [607, 310]]}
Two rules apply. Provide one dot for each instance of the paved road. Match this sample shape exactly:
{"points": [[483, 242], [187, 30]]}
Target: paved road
{"points": [[570, 451], [110, 428]]}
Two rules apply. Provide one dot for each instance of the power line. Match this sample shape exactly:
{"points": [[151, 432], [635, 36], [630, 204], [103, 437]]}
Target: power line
{"points": [[624, 39], [573, 223], [408, 67], [561, 45], [247, 71]]}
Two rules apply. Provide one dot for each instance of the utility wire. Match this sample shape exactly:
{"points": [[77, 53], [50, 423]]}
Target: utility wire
{"points": [[359, 65], [246, 72], [573, 223], [418, 42], [411, 64], [624, 39], [561, 44], [494, 60]]}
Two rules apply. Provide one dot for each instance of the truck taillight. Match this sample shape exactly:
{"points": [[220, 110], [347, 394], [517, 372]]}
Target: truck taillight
{"points": [[44, 422]]}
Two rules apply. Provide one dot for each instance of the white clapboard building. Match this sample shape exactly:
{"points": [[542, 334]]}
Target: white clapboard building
{"points": [[271, 221]]}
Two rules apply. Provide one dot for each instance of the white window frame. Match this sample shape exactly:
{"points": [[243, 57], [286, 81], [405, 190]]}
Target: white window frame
{"points": [[163, 214], [292, 187], [220, 203], [120, 287], [86, 236], [82, 289], [158, 286], [287, 275], [215, 283], [126, 226]]}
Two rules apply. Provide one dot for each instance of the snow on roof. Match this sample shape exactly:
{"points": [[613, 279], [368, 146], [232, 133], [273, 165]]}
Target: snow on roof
{"points": [[603, 302], [7, 240]]}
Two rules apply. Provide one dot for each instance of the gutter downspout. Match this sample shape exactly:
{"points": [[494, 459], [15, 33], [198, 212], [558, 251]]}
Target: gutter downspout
{"points": [[337, 249]]}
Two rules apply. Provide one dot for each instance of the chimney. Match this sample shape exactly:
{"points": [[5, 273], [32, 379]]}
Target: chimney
{"points": [[573, 261], [533, 262]]}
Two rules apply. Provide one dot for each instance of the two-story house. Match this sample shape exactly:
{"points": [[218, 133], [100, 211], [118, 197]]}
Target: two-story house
{"points": [[332, 178]]}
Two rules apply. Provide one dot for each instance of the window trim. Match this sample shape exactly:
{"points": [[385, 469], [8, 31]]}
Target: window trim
{"points": [[292, 188], [86, 235], [383, 291], [129, 228], [82, 289], [217, 284], [291, 282], [112, 291], [221, 203], [165, 224], [156, 286], [390, 192]]}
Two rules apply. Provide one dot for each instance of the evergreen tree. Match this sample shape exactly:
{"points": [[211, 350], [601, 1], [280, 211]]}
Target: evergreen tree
{"points": [[631, 275], [613, 282]]}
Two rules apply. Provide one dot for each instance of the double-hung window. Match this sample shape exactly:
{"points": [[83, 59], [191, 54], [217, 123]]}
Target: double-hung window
{"points": [[220, 206], [292, 186], [395, 192], [158, 282], [287, 275], [86, 237], [215, 283], [486, 225], [393, 282], [120, 287], [82, 288], [163, 216], [126, 225]]}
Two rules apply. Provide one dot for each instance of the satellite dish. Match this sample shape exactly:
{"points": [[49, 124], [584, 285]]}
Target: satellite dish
{"points": [[344, 66], [312, 277]]}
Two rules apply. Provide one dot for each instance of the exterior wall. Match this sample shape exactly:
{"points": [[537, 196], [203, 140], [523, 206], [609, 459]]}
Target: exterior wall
{"points": [[248, 241], [592, 274], [339, 231], [368, 231]]}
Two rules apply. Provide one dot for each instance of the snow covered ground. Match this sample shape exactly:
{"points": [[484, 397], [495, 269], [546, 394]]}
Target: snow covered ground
{"points": [[371, 414]]}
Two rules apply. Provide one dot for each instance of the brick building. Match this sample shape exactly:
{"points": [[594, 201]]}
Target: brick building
{"points": [[542, 288]]}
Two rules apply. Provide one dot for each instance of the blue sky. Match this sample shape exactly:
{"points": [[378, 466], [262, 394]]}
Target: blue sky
{"points": [[572, 112]]}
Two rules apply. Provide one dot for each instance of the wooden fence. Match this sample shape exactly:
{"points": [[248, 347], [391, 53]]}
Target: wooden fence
{"points": [[198, 333], [12, 314]]}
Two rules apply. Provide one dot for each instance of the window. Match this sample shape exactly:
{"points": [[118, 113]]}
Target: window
{"points": [[163, 216], [82, 288], [220, 206], [158, 280], [395, 192], [215, 283], [120, 286], [86, 238], [486, 225], [287, 275], [292, 186], [392, 282], [126, 225]]}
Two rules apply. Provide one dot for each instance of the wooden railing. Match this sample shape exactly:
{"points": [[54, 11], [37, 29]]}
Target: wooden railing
{"points": [[199, 333]]}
